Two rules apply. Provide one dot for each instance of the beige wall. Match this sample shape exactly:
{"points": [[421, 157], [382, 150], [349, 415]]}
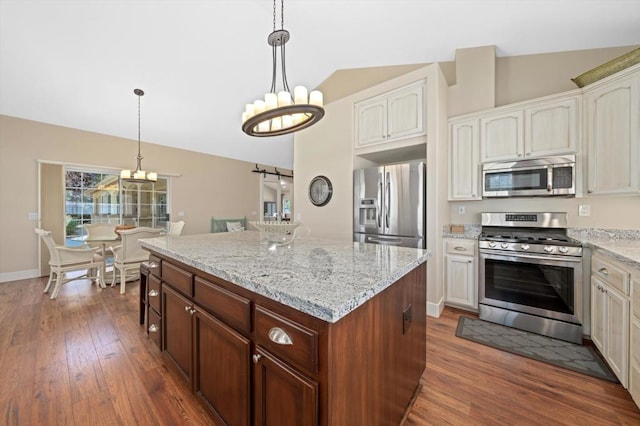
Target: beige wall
{"points": [[207, 185]]}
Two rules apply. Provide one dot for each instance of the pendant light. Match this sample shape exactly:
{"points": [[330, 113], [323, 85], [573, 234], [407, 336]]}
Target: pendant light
{"points": [[281, 112], [139, 175]]}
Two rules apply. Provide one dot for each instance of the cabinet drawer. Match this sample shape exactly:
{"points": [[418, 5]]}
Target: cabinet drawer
{"points": [[153, 292], [612, 274], [229, 307], [179, 279], [302, 346], [460, 247], [154, 265], [154, 324]]}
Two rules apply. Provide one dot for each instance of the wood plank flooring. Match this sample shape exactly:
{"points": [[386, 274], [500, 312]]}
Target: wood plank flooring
{"points": [[84, 359]]}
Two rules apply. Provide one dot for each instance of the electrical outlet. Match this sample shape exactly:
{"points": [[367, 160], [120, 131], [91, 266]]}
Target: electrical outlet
{"points": [[33, 215], [461, 209], [584, 210], [406, 319], [180, 214]]}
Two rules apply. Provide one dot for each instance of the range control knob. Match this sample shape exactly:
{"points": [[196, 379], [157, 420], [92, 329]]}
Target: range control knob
{"points": [[563, 249], [504, 245], [492, 244], [525, 247], [548, 249]]}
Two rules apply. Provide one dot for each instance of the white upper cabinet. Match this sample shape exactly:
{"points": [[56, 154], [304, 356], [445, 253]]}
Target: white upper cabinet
{"points": [[502, 136], [613, 134], [464, 169], [395, 115], [552, 128], [540, 128]]}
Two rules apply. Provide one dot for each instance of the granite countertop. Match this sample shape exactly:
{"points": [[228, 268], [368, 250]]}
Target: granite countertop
{"points": [[622, 245], [323, 278]]}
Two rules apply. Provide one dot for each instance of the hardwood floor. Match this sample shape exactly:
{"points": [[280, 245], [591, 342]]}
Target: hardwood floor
{"points": [[84, 359]]}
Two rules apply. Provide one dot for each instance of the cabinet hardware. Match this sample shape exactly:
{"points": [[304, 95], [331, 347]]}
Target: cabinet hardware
{"points": [[469, 261], [153, 265], [279, 336], [192, 311], [256, 358], [187, 308], [153, 293], [460, 248], [603, 271], [153, 328]]}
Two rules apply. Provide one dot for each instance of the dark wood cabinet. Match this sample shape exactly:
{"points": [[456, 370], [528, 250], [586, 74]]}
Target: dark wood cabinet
{"points": [[177, 334], [222, 370], [283, 396], [252, 360]]}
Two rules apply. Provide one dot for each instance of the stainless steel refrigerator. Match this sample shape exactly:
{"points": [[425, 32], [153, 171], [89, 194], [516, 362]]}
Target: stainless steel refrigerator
{"points": [[389, 205]]}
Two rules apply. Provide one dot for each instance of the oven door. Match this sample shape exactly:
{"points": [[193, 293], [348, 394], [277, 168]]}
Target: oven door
{"points": [[545, 286]]}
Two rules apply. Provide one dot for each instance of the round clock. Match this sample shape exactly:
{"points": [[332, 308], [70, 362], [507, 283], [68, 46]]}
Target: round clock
{"points": [[320, 190]]}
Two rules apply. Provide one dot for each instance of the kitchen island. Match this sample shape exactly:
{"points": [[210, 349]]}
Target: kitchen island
{"points": [[315, 332]]}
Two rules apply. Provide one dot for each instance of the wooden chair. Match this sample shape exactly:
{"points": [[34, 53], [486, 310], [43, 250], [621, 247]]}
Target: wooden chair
{"points": [[220, 225], [175, 228], [66, 259], [128, 256]]}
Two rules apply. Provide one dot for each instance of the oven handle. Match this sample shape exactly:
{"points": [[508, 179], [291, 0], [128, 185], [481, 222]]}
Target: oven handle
{"points": [[500, 254]]}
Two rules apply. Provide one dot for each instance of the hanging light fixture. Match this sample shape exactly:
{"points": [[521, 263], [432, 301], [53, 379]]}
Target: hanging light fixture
{"points": [[281, 112], [139, 175]]}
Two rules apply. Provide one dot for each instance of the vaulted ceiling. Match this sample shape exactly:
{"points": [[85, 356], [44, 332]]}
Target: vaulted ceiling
{"points": [[76, 63]]}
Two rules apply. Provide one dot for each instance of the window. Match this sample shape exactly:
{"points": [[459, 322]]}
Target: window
{"points": [[97, 197]]}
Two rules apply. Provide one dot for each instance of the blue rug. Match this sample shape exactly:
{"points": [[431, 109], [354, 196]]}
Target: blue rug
{"points": [[582, 359]]}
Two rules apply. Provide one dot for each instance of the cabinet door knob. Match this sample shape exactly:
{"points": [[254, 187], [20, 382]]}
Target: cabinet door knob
{"points": [[279, 336], [256, 358], [187, 308], [603, 271], [192, 311], [153, 293], [153, 328]]}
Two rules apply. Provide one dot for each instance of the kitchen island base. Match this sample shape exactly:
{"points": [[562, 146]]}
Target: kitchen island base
{"points": [[252, 360]]}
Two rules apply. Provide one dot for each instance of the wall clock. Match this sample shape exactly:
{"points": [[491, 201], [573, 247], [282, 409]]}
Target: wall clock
{"points": [[320, 190]]}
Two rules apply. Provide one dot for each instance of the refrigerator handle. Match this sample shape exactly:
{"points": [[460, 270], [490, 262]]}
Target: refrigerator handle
{"points": [[388, 200], [379, 206]]}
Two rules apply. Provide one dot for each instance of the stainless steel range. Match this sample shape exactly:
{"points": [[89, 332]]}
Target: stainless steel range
{"points": [[530, 274]]}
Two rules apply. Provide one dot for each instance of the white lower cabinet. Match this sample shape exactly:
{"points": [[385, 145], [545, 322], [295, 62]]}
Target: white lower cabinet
{"points": [[610, 318], [461, 272]]}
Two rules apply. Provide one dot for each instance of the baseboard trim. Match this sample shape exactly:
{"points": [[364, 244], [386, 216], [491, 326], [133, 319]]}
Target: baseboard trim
{"points": [[19, 275], [435, 309]]}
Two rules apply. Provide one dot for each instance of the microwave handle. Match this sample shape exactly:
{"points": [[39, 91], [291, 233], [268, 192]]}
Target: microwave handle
{"points": [[549, 178]]}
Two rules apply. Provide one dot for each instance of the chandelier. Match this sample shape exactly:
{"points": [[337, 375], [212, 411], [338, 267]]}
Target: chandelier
{"points": [[139, 175], [281, 112]]}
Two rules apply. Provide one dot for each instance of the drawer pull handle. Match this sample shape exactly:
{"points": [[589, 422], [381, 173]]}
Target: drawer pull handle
{"points": [[153, 328], [603, 271], [460, 248], [153, 293], [256, 358], [279, 336]]}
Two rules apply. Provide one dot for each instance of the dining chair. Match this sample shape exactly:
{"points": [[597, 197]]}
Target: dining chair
{"points": [[65, 259], [128, 256], [175, 228], [99, 234]]}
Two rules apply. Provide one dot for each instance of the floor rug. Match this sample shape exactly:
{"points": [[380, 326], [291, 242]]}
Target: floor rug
{"points": [[582, 359]]}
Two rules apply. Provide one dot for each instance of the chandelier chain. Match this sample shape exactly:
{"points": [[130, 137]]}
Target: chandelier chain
{"points": [[281, 15], [139, 156]]}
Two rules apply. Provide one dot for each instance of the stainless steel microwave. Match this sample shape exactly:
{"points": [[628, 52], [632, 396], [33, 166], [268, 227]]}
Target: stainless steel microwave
{"points": [[540, 177]]}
